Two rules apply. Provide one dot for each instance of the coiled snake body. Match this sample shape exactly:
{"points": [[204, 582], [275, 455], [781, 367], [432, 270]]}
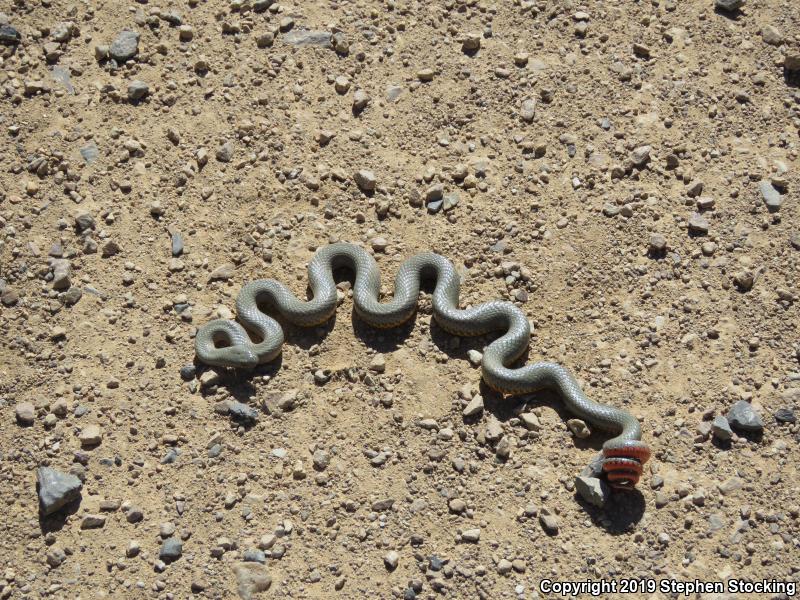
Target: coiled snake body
{"points": [[623, 455]]}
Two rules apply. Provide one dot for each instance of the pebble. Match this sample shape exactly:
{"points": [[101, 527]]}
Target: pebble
{"points": [[26, 413], [391, 559], [742, 416], [224, 153], [222, 272], [772, 197], [308, 37], [595, 491], [721, 429], [137, 90], [471, 42], [93, 522], [91, 435], [528, 110], [698, 224], [125, 46], [549, 523], [471, 536], [474, 407], [378, 363], [9, 36], [360, 100], [251, 578], [56, 489], [658, 243], [365, 180], [785, 415], [640, 156], [772, 35], [475, 358], [171, 550], [530, 421]]}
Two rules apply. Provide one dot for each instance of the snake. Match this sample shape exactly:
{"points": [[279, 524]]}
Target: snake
{"points": [[227, 343]]}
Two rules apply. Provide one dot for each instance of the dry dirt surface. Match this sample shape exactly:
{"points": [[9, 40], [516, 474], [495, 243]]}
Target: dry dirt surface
{"points": [[625, 172]]}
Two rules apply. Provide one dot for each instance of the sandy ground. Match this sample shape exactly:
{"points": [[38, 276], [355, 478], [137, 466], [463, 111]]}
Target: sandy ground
{"points": [[607, 166]]}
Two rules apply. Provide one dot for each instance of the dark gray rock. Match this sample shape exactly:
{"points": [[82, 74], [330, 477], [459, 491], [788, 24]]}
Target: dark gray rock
{"points": [[785, 415], [742, 416], [171, 550], [188, 372], [9, 36], [177, 243], [125, 46], [721, 429], [137, 90], [772, 197], [56, 489], [242, 412], [729, 5], [308, 37]]}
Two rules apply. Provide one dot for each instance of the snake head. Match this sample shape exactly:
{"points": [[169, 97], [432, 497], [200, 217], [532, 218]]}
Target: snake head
{"points": [[623, 463], [238, 357]]}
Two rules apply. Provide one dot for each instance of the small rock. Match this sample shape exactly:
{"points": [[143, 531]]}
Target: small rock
{"points": [[471, 42], [658, 243], [91, 435], [698, 224], [549, 524], [9, 36], [360, 100], [721, 429], [125, 46], [474, 407], [391, 560], [251, 578], [742, 416], [640, 156], [365, 180], [475, 358], [93, 522], [308, 37], [595, 491], [471, 536], [378, 363], [772, 197], [225, 152], [56, 489], [785, 415], [26, 413], [772, 35], [530, 421], [137, 90], [171, 550], [528, 110], [222, 272]]}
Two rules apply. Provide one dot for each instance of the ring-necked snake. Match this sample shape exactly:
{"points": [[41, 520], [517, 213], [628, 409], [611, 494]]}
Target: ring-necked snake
{"points": [[227, 343]]}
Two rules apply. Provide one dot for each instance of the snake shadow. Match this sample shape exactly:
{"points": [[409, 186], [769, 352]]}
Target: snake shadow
{"points": [[621, 513]]}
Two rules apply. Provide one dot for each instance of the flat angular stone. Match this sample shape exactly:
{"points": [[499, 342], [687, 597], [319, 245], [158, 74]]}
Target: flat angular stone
{"points": [[308, 37], [56, 489], [251, 578], [742, 416]]}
